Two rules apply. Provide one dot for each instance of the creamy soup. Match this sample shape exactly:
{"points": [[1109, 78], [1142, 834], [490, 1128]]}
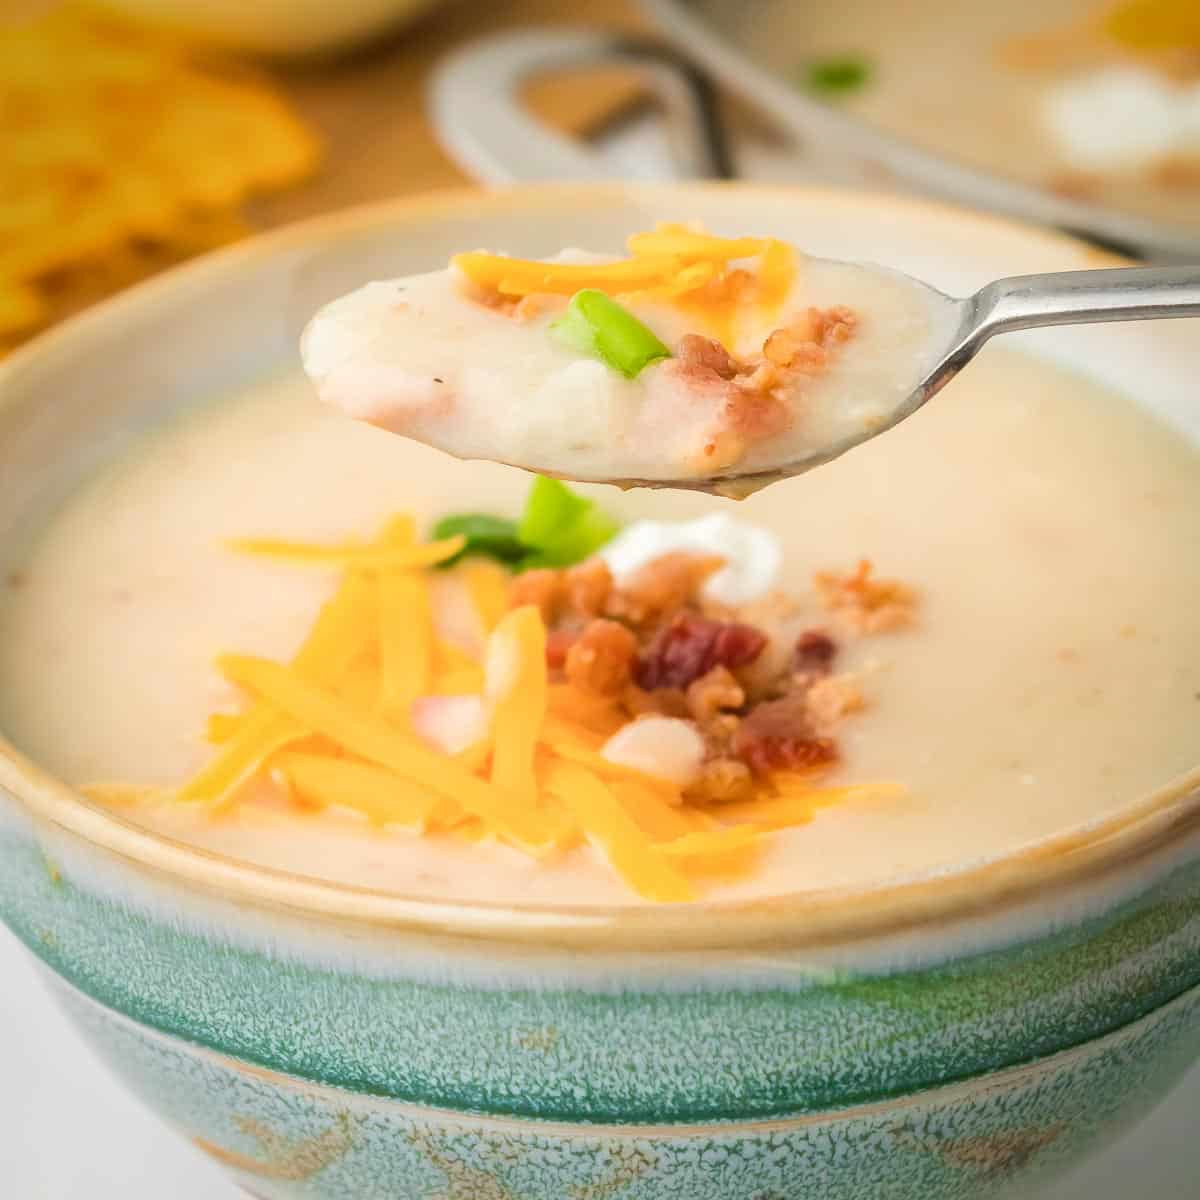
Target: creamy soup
{"points": [[718, 357], [1051, 529], [1087, 98]]}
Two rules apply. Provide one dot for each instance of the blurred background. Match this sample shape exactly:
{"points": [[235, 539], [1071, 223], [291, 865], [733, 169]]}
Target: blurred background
{"points": [[137, 133]]}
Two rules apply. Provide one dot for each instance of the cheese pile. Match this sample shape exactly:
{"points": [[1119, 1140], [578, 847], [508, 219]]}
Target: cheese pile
{"points": [[335, 727]]}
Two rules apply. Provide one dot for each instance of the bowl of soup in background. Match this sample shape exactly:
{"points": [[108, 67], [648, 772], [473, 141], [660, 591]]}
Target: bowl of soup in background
{"points": [[969, 102], [945, 1036]]}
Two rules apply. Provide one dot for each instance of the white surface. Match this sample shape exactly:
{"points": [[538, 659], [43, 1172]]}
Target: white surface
{"points": [[69, 1132]]}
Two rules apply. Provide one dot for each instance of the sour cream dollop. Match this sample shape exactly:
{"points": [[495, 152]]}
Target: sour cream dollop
{"points": [[1123, 118], [753, 555]]}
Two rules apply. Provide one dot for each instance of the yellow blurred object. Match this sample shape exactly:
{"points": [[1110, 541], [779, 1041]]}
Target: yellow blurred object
{"points": [[289, 28], [119, 155], [1154, 25]]}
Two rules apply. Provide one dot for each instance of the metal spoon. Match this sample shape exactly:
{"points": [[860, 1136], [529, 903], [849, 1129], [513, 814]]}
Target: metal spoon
{"points": [[1021, 302]]}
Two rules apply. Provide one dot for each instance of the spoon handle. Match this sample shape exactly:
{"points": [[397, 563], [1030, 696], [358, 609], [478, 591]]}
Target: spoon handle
{"points": [[1079, 297]]}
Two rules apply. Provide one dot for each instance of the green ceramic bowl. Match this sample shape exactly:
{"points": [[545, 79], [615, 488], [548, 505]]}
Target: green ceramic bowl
{"points": [[945, 1038]]}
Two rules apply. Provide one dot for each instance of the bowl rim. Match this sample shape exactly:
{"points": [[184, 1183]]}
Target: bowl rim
{"points": [[1127, 839]]}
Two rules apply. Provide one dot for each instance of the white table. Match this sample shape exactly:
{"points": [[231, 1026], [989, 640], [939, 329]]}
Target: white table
{"points": [[68, 1131]]}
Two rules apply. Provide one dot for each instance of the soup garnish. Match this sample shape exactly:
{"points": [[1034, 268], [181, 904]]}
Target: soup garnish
{"points": [[632, 708], [1003, 708]]}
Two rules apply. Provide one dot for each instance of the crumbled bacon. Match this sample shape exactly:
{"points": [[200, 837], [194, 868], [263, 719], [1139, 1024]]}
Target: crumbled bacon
{"points": [[804, 345], [814, 653], [783, 348], [601, 660], [758, 404], [828, 701], [786, 351], [542, 588], [714, 693], [692, 645], [777, 736], [558, 642], [758, 415], [755, 682], [832, 326], [867, 604], [664, 702], [663, 587], [704, 360], [587, 588], [722, 780]]}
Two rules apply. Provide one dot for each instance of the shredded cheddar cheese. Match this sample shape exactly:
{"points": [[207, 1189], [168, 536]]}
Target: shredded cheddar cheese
{"points": [[376, 742], [516, 688], [776, 274], [676, 264], [680, 242], [487, 585], [259, 736], [657, 817], [605, 821], [333, 728], [405, 641], [525, 277], [380, 795]]}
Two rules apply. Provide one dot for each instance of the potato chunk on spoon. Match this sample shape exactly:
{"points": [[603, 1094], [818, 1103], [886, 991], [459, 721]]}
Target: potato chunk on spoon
{"points": [[699, 362]]}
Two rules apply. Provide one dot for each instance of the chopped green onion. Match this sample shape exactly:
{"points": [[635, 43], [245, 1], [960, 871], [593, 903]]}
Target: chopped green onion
{"points": [[557, 529], [596, 324], [560, 527], [489, 536], [550, 508], [837, 76]]}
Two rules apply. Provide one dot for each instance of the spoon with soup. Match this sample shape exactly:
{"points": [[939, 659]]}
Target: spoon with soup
{"points": [[699, 362]]}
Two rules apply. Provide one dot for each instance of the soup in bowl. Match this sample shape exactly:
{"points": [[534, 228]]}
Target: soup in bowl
{"points": [[929, 928]]}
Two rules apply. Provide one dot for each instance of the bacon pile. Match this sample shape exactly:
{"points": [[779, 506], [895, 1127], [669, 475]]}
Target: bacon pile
{"points": [[762, 691]]}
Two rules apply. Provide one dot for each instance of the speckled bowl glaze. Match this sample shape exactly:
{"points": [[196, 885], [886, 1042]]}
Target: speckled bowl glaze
{"points": [[942, 1038]]}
